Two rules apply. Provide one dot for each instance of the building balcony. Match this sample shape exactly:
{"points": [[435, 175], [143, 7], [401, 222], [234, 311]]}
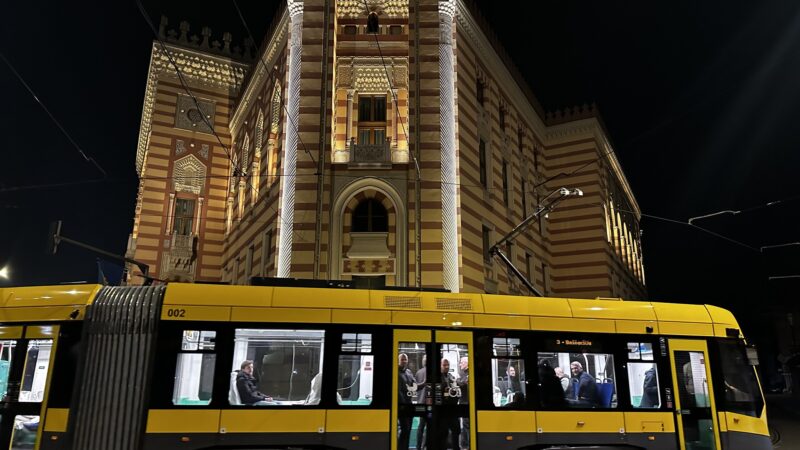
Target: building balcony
{"points": [[370, 156], [178, 263]]}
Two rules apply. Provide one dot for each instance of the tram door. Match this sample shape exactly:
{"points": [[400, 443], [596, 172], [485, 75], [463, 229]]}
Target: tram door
{"points": [[432, 405], [695, 410]]}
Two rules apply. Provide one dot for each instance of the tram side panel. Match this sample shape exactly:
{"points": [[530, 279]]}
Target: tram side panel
{"points": [[262, 383]]}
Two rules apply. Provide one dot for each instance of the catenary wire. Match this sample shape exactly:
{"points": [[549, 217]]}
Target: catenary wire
{"points": [[53, 118]]}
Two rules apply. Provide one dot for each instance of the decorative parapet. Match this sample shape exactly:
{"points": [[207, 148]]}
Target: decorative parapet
{"points": [[179, 261], [565, 115], [369, 74], [199, 66], [351, 9]]}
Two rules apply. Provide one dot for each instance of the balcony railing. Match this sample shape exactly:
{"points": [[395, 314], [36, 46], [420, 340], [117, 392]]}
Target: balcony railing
{"points": [[371, 155]]}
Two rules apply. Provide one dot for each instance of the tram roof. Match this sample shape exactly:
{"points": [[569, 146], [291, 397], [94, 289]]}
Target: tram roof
{"points": [[604, 315]]}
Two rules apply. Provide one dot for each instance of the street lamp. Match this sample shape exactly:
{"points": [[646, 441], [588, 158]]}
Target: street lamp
{"points": [[5, 273]]}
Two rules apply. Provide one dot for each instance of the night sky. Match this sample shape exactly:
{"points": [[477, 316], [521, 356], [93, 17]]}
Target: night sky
{"points": [[701, 100]]}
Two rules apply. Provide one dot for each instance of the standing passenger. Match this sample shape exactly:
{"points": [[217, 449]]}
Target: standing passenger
{"points": [[463, 383], [449, 417], [422, 393], [405, 385]]}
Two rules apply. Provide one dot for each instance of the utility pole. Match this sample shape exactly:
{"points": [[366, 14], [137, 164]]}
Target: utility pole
{"points": [[54, 238]]}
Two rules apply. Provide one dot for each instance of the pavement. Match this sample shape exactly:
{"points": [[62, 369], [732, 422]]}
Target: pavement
{"points": [[783, 415]]}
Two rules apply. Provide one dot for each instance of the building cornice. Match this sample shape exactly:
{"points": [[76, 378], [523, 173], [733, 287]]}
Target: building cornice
{"points": [[593, 127], [197, 66], [497, 68], [260, 73]]}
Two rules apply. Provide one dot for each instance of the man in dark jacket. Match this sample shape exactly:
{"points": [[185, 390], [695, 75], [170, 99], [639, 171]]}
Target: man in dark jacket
{"points": [[582, 390], [407, 391], [246, 386]]}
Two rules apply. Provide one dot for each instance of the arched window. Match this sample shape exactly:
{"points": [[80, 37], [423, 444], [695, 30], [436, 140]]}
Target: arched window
{"points": [[372, 23], [370, 216]]}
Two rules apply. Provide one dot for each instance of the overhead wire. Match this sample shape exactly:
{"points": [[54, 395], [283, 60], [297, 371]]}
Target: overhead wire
{"points": [[53, 118]]}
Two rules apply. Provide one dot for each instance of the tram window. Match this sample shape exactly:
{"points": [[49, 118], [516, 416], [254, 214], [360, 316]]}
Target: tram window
{"points": [[412, 373], [6, 352], [198, 340], [285, 367], [355, 377], [508, 373], [194, 371], [357, 343], [739, 383], [643, 384], [453, 358], [355, 380], [37, 365], [508, 386], [194, 379], [640, 350], [586, 380], [24, 433]]}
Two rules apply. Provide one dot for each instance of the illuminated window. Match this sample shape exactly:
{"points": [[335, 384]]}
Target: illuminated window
{"points": [[577, 377], [277, 367], [356, 370], [37, 365], [508, 373], [194, 371]]}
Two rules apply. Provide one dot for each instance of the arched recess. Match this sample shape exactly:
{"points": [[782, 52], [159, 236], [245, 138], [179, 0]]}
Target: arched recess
{"points": [[347, 199]]}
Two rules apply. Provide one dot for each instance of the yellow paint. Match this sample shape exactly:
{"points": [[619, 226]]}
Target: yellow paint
{"points": [[722, 316], [213, 295], [432, 319], [692, 345], [686, 329], [291, 315], [677, 312], [579, 421], [41, 332], [564, 324], [253, 420], [320, 298], [636, 326], [361, 316], [10, 332], [506, 421], [723, 426], [39, 314], [52, 333], [357, 421], [79, 294], [202, 313], [745, 424], [453, 337], [183, 421], [56, 420], [612, 309], [649, 422], [510, 304], [502, 322]]}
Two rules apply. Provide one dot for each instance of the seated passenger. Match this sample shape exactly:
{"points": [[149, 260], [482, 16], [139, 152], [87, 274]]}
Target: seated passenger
{"points": [[582, 390], [246, 386], [511, 382]]}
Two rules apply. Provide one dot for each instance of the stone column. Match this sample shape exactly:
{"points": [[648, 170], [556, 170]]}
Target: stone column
{"points": [[447, 120], [286, 213], [349, 123]]}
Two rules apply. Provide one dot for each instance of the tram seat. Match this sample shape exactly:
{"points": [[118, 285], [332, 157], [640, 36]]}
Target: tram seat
{"points": [[605, 391], [233, 392]]}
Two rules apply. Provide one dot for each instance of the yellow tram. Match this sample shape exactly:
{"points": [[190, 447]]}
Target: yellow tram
{"points": [[193, 366]]}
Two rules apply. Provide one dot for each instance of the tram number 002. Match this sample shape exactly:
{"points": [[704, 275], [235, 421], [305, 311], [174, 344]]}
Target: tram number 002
{"points": [[176, 313]]}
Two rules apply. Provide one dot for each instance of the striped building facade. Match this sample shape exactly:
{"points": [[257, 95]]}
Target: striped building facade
{"points": [[389, 143]]}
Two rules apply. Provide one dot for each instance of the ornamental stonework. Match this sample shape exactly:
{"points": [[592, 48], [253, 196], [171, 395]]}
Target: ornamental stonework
{"points": [[189, 117], [361, 8], [369, 74], [189, 175]]}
